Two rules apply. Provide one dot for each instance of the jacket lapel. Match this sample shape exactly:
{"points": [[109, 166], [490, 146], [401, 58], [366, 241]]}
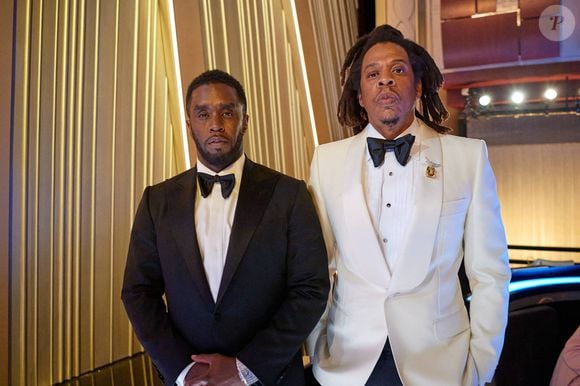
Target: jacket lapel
{"points": [[417, 247], [256, 191], [180, 207], [359, 233]]}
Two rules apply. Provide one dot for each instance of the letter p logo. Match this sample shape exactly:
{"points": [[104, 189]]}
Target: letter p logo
{"points": [[557, 23], [557, 20]]}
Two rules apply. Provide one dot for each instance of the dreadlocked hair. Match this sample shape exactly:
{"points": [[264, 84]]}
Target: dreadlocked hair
{"points": [[352, 115]]}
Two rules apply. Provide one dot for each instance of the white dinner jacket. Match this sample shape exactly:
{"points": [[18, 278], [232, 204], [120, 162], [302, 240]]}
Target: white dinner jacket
{"points": [[455, 212]]}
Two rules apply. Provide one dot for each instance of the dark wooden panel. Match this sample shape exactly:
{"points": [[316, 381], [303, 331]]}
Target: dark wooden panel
{"points": [[479, 41], [484, 6], [533, 8], [512, 74], [452, 9], [525, 129], [534, 45]]}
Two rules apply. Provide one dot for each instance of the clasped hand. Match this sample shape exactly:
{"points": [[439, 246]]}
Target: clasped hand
{"points": [[213, 370]]}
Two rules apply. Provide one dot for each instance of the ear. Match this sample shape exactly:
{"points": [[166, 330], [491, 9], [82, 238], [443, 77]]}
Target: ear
{"points": [[419, 89], [188, 124], [245, 121], [360, 100]]}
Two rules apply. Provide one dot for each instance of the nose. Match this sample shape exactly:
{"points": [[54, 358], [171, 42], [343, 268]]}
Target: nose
{"points": [[216, 123], [386, 81]]}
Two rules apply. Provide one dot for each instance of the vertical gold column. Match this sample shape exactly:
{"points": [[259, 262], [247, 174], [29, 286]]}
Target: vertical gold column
{"points": [[190, 46], [286, 54], [250, 42], [6, 56], [96, 118], [327, 30], [18, 220]]}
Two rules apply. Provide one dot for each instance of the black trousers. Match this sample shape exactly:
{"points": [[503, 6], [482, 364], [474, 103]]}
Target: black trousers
{"points": [[384, 373]]}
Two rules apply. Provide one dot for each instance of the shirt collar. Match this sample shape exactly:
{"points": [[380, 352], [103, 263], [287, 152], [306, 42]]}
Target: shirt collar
{"points": [[237, 168], [413, 128]]}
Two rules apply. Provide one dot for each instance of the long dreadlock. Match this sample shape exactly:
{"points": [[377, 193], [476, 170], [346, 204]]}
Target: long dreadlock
{"points": [[352, 115]]}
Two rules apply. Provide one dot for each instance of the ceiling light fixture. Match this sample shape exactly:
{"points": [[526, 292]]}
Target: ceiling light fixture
{"points": [[484, 100], [550, 94], [517, 97]]}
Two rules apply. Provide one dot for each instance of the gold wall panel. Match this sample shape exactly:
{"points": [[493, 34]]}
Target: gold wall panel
{"points": [[96, 119], [328, 30], [287, 54], [6, 64], [538, 189], [190, 45]]}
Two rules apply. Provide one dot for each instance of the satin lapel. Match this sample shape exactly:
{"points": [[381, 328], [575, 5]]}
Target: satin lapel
{"points": [[255, 193], [417, 247], [181, 204], [362, 251]]}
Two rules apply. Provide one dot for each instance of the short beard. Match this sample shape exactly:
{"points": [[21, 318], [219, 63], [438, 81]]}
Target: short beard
{"points": [[390, 122], [221, 161]]}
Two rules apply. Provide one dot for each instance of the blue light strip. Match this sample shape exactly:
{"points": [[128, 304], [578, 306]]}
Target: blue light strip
{"points": [[537, 283], [542, 282]]}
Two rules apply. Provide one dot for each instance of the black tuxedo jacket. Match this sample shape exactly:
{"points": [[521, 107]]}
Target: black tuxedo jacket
{"points": [[274, 286]]}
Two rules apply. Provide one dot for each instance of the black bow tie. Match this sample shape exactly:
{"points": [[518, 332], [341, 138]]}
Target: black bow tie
{"points": [[206, 182], [401, 146]]}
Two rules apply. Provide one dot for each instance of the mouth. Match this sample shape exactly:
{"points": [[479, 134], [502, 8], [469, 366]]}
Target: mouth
{"points": [[217, 140], [387, 99]]}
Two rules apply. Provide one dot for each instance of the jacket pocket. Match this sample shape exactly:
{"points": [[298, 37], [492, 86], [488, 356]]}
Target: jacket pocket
{"points": [[451, 325]]}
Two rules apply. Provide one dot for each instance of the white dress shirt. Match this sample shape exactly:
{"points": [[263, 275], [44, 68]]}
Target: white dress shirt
{"points": [[214, 217], [388, 189]]}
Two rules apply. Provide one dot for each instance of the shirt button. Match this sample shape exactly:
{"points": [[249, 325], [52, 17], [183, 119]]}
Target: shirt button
{"points": [[384, 240], [388, 204], [390, 173]]}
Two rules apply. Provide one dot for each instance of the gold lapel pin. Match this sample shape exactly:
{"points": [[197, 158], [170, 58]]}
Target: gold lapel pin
{"points": [[430, 171]]}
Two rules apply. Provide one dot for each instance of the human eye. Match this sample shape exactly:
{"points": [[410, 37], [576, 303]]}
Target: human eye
{"points": [[399, 69], [227, 114], [372, 74], [202, 114]]}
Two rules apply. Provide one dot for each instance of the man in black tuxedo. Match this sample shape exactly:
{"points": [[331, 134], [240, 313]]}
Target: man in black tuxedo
{"points": [[226, 271]]}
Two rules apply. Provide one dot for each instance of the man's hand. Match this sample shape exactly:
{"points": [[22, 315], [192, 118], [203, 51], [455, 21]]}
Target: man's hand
{"points": [[196, 373], [213, 370]]}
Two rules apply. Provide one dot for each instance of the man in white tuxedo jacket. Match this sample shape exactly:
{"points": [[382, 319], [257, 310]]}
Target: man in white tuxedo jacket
{"points": [[398, 228]]}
